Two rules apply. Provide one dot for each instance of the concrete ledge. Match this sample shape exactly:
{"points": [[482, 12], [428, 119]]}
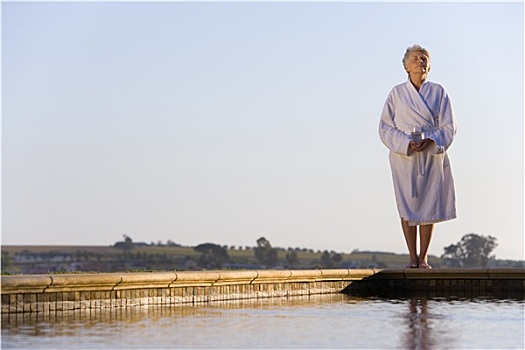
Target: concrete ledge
{"points": [[92, 282], [501, 283], [236, 277], [28, 284], [272, 276], [518, 274], [195, 279], [145, 280], [49, 293]]}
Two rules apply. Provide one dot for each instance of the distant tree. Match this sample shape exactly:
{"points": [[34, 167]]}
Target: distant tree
{"points": [[170, 243], [331, 260], [291, 257], [472, 251], [265, 254], [325, 259], [6, 261], [453, 255], [213, 256]]}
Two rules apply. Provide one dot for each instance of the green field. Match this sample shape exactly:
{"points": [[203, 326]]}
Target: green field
{"points": [[39, 259]]}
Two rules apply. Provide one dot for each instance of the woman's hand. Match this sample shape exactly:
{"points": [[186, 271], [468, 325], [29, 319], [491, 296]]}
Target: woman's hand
{"points": [[420, 146]]}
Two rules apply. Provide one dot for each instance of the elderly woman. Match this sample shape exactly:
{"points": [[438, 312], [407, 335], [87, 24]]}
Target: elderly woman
{"points": [[418, 126]]}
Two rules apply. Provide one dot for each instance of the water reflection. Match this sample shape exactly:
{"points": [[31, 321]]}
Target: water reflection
{"points": [[222, 324], [451, 322], [328, 321], [419, 329]]}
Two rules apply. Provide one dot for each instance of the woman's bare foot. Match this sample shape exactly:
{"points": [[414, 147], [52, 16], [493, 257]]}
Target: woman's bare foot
{"points": [[424, 265]]}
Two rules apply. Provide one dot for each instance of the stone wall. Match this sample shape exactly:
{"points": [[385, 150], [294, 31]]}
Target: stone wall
{"points": [[49, 293]]}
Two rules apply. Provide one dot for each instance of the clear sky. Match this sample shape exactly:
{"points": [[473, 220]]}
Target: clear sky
{"points": [[225, 122]]}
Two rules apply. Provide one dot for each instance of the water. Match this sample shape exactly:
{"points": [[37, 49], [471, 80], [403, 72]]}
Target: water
{"points": [[329, 321]]}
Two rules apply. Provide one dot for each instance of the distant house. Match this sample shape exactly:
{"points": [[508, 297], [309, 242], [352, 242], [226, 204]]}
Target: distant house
{"points": [[243, 266], [124, 245], [26, 256]]}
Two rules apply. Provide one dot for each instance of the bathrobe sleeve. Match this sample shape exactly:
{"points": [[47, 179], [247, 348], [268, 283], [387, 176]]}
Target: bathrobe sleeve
{"points": [[446, 126], [393, 138]]}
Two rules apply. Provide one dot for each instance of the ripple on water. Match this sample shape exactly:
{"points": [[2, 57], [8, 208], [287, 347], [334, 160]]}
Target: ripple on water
{"points": [[329, 321]]}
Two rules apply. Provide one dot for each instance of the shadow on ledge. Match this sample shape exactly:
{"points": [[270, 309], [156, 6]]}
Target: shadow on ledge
{"points": [[445, 283]]}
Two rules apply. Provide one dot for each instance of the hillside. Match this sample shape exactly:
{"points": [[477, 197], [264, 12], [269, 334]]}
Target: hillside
{"points": [[45, 259], [151, 257]]}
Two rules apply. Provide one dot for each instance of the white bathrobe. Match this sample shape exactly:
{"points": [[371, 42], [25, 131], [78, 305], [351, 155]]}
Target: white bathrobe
{"points": [[423, 182]]}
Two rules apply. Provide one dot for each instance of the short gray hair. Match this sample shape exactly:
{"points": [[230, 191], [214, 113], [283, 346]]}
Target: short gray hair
{"points": [[412, 49]]}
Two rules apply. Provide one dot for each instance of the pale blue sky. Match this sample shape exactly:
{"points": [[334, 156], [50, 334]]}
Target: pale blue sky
{"points": [[225, 122]]}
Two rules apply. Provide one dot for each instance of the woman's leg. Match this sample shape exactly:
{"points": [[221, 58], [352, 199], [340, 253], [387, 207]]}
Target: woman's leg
{"points": [[410, 233], [425, 236]]}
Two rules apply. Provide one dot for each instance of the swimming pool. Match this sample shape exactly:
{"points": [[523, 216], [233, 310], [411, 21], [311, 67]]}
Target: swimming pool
{"points": [[321, 321]]}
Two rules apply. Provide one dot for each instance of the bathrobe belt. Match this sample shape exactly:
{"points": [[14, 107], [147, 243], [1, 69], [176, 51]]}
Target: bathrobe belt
{"points": [[420, 162]]}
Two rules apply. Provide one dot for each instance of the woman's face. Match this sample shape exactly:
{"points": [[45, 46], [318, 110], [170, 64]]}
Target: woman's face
{"points": [[418, 63]]}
